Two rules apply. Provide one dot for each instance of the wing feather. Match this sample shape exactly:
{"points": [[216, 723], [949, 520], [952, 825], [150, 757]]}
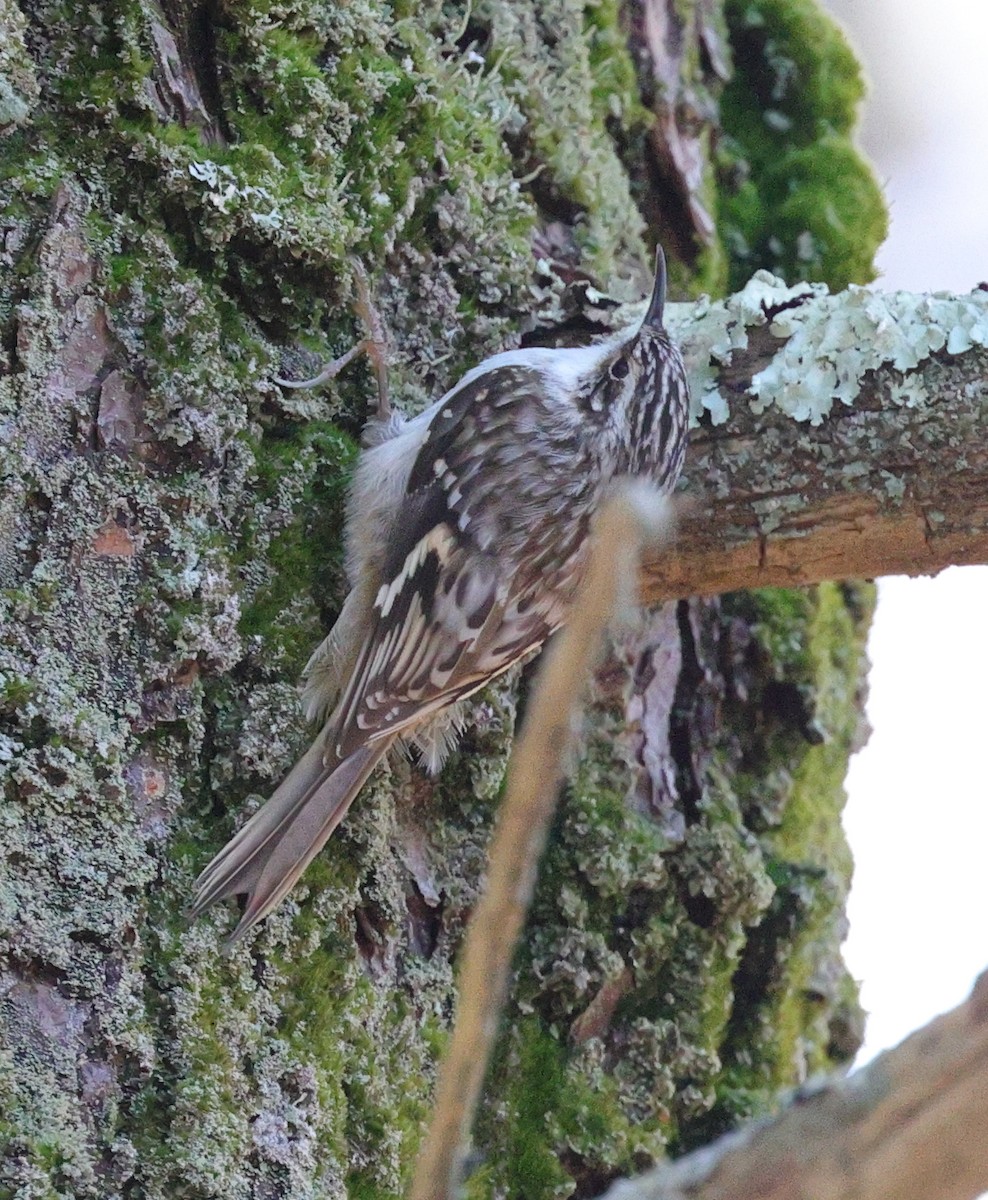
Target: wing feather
{"points": [[469, 578]]}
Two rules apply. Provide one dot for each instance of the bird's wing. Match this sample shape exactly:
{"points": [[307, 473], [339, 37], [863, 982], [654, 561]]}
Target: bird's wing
{"points": [[476, 574]]}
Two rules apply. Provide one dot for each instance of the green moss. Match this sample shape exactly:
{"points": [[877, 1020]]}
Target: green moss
{"points": [[736, 987], [827, 205], [162, 705], [797, 67], [614, 82], [835, 652], [790, 985], [535, 1090], [301, 478], [709, 272], [565, 114], [561, 1112], [798, 198], [781, 619], [16, 692]]}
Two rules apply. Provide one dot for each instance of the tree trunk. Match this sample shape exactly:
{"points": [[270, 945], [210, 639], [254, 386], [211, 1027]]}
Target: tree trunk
{"points": [[907, 1126], [182, 188]]}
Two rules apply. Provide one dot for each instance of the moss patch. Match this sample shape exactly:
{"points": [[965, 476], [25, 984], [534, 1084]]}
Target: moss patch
{"points": [[797, 197]]}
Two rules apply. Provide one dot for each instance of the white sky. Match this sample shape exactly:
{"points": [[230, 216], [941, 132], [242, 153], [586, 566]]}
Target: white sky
{"points": [[917, 816]]}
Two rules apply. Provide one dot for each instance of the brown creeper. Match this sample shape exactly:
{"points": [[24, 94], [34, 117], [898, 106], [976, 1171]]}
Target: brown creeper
{"points": [[466, 538]]}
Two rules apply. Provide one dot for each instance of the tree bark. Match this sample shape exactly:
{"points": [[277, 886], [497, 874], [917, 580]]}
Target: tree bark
{"points": [[908, 1126], [182, 188]]}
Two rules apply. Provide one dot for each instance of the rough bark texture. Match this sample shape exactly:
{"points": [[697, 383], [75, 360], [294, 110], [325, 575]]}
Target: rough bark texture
{"points": [[181, 186], [908, 1126]]}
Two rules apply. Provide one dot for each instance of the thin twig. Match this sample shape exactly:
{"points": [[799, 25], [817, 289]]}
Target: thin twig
{"points": [[535, 772]]}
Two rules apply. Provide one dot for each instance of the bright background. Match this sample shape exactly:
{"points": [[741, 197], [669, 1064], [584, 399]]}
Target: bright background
{"points": [[917, 816]]}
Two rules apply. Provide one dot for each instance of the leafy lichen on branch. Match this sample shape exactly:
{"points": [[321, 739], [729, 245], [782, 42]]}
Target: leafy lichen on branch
{"points": [[821, 347]]}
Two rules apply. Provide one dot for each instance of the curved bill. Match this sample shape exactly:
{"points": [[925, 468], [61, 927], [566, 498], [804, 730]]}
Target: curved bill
{"points": [[653, 316]]}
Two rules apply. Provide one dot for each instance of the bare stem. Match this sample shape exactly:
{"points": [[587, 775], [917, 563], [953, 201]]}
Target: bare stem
{"points": [[535, 772]]}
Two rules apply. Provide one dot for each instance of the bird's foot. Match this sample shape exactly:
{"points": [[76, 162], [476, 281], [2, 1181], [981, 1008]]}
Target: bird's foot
{"points": [[374, 345]]}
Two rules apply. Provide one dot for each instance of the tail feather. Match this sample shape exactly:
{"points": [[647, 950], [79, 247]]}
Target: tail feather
{"points": [[268, 855]]}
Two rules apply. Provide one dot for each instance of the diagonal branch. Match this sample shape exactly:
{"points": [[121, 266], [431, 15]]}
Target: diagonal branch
{"points": [[842, 436]]}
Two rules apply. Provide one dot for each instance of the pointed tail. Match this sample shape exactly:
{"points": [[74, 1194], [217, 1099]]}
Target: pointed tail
{"points": [[272, 850]]}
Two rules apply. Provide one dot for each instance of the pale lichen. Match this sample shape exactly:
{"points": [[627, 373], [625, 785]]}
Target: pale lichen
{"points": [[19, 90], [828, 343]]}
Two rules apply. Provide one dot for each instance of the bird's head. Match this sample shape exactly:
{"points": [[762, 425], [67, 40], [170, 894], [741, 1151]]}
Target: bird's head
{"points": [[633, 366]]}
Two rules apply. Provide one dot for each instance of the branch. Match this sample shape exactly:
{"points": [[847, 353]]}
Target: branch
{"points": [[535, 772], [843, 436], [909, 1126]]}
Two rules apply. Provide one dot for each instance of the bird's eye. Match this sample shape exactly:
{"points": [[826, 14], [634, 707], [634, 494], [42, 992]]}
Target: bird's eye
{"points": [[619, 368]]}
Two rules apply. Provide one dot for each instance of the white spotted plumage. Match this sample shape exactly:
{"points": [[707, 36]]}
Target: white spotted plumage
{"points": [[466, 537]]}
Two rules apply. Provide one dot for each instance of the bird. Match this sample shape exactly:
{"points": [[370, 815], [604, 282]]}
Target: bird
{"points": [[467, 531]]}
